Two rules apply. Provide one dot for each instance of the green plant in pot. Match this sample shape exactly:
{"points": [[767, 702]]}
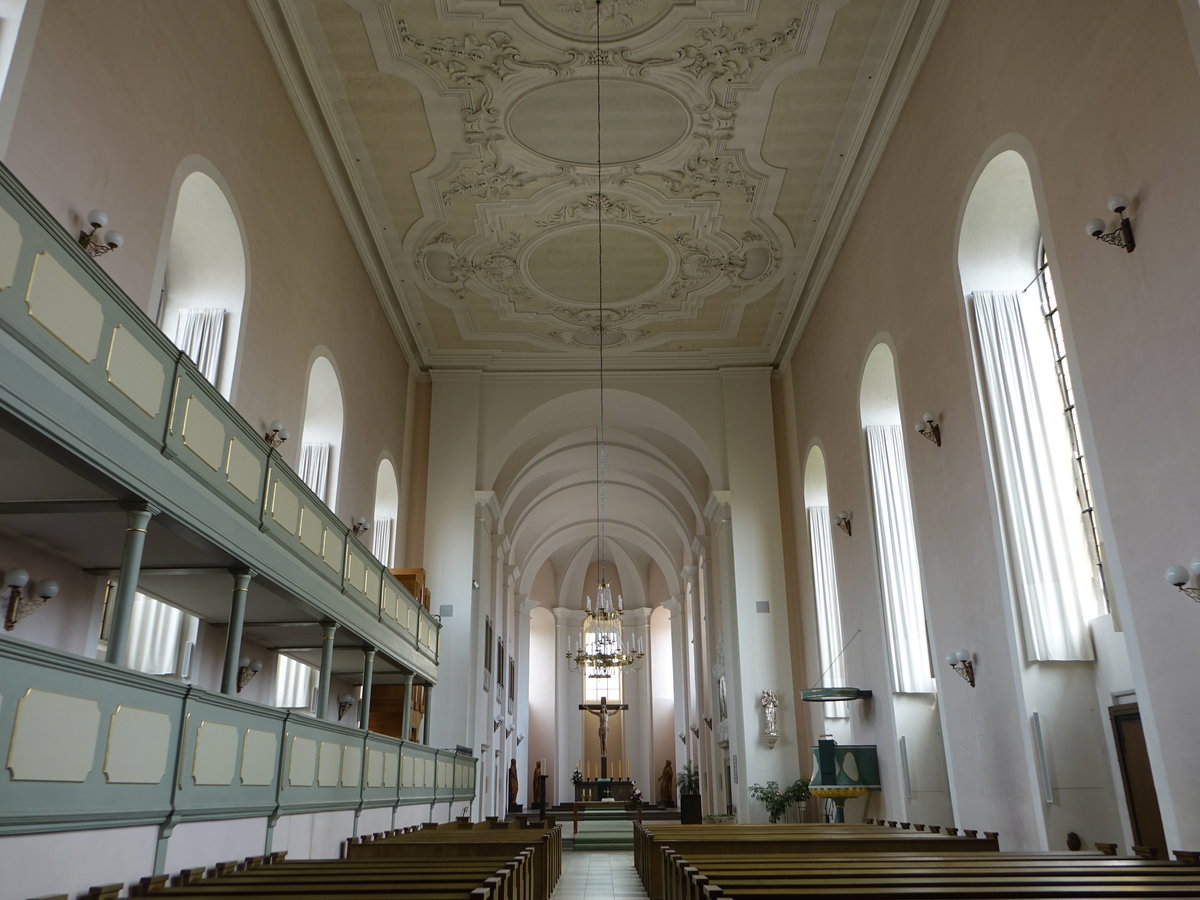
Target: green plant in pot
{"points": [[688, 782], [777, 799]]}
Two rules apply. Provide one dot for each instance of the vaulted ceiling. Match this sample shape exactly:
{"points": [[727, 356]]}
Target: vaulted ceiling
{"points": [[735, 138]]}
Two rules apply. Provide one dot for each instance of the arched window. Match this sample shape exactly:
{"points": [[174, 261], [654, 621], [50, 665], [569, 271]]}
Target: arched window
{"points": [[1025, 389], [204, 287], [895, 534], [321, 442], [387, 505], [829, 616]]}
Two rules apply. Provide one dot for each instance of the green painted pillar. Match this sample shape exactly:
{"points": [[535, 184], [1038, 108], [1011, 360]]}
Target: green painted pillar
{"points": [[364, 707], [326, 675], [138, 518], [428, 714], [233, 636], [406, 718]]}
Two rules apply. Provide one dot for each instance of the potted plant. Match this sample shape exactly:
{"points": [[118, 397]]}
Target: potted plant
{"points": [[688, 782], [777, 799]]}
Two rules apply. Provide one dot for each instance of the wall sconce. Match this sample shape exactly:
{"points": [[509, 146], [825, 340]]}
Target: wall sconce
{"points": [[962, 663], [683, 738], [247, 669], [708, 722], [98, 246], [1122, 235], [1181, 577], [276, 434], [520, 737], [929, 427], [695, 730], [360, 526], [19, 604], [496, 723], [508, 732], [842, 521], [344, 703]]}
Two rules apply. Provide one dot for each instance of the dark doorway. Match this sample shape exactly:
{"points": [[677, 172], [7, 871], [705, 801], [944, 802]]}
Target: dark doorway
{"points": [[1134, 761]]}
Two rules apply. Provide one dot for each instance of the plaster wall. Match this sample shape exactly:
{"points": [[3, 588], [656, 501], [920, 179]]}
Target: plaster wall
{"points": [[33, 863], [120, 148], [1088, 128]]}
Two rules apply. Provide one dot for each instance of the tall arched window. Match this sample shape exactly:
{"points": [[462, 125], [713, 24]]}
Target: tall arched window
{"points": [[387, 505], [321, 442], [825, 589], [204, 287], [1025, 389], [895, 534]]}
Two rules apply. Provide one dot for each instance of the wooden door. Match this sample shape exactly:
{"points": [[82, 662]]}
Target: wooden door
{"points": [[1134, 761]]}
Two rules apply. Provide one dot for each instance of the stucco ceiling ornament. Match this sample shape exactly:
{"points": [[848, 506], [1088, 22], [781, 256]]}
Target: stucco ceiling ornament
{"points": [[597, 204]]}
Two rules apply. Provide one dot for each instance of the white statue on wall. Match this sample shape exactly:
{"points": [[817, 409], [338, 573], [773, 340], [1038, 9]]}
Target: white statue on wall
{"points": [[770, 705]]}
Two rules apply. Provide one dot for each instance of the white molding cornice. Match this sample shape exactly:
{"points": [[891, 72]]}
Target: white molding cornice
{"points": [[718, 504]]}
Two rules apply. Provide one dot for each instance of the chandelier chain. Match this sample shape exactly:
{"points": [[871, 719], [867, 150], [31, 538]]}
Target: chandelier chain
{"points": [[601, 511]]}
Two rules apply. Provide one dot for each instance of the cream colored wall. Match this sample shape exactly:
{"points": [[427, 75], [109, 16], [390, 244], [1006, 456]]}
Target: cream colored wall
{"points": [[113, 103], [1051, 74]]}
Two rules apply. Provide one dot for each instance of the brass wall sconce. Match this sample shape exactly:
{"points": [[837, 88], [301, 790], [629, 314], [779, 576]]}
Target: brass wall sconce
{"points": [[1122, 234], [22, 602], [1182, 576], [360, 526], [683, 738], [508, 732], [695, 730], [276, 434], [842, 521], [962, 663], [247, 669], [95, 244], [344, 703], [708, 722], [496, 723], [520, 737], [930, 429]]}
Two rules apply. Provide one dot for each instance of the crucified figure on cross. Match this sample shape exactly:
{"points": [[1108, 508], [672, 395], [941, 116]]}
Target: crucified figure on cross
{"points": [[601, 711]]}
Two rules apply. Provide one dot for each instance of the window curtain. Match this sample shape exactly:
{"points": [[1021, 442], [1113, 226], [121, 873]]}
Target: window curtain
{"points": [[1056, 587], [294, 683], [314, 468], [829, 616], [900, 573], [154, 632], [198, 334], [383, 540]]}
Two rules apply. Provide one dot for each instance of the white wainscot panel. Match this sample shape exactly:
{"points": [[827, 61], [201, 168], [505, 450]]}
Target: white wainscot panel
{"points": [[428, 781], [304, 762], [243, 470], [10, 249], [351, 766], [390, 761], [258, 757], [374, 768], [285, 506], [134, 371], [216, 753], [139, 741], [332, 554], [329, 764], [406, 771], [62, 306], [54, 737], [203, 433]]}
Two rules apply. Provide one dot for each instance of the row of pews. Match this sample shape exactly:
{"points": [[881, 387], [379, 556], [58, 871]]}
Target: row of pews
{"points": [[463, 861], [884, 862]]}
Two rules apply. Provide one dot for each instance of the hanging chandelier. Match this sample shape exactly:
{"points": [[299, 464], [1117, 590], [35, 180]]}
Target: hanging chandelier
{"points": [[601, 648]]}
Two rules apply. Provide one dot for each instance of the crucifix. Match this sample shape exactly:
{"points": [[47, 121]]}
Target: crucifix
{"points": [[601, 711]]}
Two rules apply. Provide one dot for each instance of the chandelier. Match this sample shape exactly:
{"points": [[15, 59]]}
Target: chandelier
{"points": [[600, 648]]}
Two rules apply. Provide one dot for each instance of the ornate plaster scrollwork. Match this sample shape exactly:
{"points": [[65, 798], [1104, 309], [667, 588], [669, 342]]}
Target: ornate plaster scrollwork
{"points": [[754, 258], [593, 204]]}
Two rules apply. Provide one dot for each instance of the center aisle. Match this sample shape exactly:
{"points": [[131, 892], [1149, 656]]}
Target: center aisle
{"points": [[598, 875]]}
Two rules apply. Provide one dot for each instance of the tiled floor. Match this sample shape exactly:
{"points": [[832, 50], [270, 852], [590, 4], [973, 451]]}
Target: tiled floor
{"points": [[598, 875]]}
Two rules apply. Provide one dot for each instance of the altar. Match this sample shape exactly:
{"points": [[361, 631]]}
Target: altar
{"points": [[620, 790]]}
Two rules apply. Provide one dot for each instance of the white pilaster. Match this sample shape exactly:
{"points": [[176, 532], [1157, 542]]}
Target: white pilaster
{"points": [[568, 736]]}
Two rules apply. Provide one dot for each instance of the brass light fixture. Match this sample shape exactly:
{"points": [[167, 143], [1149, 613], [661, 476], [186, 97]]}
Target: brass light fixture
{"points": [[23, 601], [247, 669], [1122, 234], [360, 526], [276, 434], [930, 429], [94, 243], [344, 703], [962, 662], [842, 521]]}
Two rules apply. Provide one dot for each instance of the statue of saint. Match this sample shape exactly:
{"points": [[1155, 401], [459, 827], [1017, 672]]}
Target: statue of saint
{"points": [[666, 785], [512, 783], [539, 787], [770, 705]]}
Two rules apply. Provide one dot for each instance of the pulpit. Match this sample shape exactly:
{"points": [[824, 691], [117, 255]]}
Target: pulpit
{"points": [[843, 772]]}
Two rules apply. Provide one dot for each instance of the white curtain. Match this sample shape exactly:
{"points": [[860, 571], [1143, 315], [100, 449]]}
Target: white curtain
{"points": [[198, 334], [294, 683], [900, 573], [382, 540], [1056, 584], [154, 632], [314, 468], [829, 616]]}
